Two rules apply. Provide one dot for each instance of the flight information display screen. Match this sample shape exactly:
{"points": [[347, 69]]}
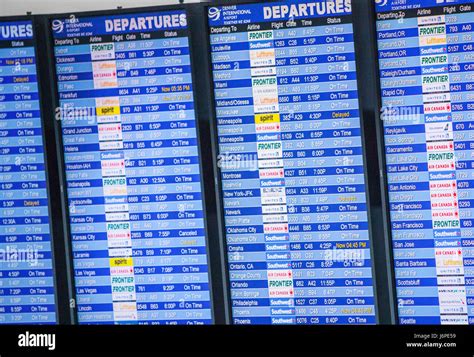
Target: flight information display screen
{"points": [[291, 161], [27, 293], [426, 55], [132, 169]]}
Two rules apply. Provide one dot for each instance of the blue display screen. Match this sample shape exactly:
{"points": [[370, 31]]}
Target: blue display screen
{"points": [[426, 56], [27, 294], [132, 169], [292, 163]]}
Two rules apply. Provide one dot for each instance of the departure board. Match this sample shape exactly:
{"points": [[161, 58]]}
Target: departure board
{"points": [[27, 294], [291, 161], [132, 169], [426, 55]]}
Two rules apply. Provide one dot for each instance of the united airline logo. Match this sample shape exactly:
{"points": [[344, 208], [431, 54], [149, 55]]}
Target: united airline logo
{"points": [[57, 26], [214, 13]]}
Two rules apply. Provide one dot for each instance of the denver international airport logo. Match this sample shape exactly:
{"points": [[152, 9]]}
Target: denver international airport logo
{"points": [[381, 2], [57, 26], [214, 13]]}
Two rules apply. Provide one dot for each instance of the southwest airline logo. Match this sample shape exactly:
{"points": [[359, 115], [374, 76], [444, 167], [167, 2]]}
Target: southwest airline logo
{"points": [[214, 13]]}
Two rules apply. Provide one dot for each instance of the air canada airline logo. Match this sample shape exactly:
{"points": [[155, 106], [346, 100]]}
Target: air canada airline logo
{"points": [[58, 26], [381, 2], [214, 13]]}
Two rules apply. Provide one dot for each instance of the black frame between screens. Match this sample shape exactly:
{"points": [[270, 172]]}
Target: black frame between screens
{"points": [[369, 103], [209, 209], [370, 99], [387, 222]]}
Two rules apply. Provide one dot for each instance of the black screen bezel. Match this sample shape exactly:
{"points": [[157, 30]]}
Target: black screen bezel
{"points": [[368, 132], [200, 129]]}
